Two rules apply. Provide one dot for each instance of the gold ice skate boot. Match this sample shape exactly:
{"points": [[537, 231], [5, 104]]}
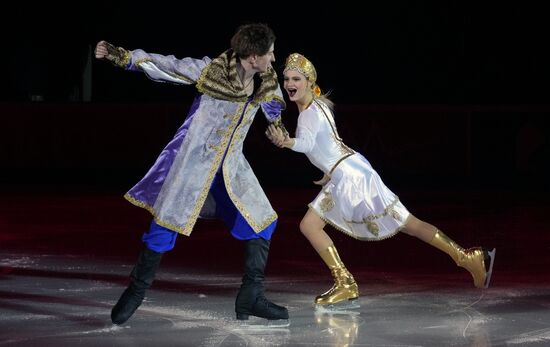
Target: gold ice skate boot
{"points": [[478, 261], [344, 292]]}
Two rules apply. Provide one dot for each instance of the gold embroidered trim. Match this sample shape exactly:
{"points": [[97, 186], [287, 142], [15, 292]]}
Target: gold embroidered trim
{"points": [[370, 220], [241, 133], [141, 61], [242, 209], [121, 57], [326, 203], [278, 122], [342, 146], [279, 99], [219, 79], [268, 87], [151, 210], [338, 162], [210, 176], [350, 234], [192, 219]]}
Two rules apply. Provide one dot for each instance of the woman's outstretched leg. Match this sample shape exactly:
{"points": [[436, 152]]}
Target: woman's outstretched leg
{"points": [[344, 292], [478, 261]]}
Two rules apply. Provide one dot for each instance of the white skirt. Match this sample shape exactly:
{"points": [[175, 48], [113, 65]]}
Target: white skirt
{"points": [[357, 202]]}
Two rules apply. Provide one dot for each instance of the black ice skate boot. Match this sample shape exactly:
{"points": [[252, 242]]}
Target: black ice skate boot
{"points": [[251, 300], [141, 279]]}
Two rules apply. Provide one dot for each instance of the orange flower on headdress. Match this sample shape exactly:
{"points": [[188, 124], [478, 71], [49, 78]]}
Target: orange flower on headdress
{"points": [[316, 91]]}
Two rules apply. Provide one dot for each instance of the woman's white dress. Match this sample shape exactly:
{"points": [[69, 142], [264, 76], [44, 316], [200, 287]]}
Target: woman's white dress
{"points": [[355, 200]]}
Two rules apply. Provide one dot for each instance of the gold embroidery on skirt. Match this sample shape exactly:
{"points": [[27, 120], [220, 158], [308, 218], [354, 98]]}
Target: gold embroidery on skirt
{"points": [[326, 203], [373, 227], [370, 221], [396, 215]]}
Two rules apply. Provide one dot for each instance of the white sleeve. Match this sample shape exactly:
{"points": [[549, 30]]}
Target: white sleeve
{"points": [[306, 131]]}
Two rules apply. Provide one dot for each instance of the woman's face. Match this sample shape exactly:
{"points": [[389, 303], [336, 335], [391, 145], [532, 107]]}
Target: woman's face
{"points": [[296, 85]]}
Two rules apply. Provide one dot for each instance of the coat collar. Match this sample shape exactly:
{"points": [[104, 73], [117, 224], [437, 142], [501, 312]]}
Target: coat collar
{"points": [[219, 79]]}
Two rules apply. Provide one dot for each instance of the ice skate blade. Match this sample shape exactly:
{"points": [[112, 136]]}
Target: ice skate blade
{"points": [[342, 306], [490, 271], [257, 323]]}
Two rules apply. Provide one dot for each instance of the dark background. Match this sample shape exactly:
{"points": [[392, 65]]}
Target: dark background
{"points": [[386, 52], [436, 94]]}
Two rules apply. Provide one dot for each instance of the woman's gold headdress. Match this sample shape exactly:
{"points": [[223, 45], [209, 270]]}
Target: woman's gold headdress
{"points": [[298, 62]]}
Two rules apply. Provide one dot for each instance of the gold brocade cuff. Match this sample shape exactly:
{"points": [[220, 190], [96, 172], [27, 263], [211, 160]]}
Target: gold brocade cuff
{"points": [[121, 57], [279, 124]]}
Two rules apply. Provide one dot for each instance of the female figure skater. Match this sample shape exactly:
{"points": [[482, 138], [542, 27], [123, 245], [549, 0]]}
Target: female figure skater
{"points": [[353, 199]]}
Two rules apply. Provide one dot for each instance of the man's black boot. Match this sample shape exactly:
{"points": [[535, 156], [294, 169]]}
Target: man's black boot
{"points": [[251, 300], [141, 278]]}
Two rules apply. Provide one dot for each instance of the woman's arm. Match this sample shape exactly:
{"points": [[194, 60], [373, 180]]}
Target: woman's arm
{"points": [[306, 133]]}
